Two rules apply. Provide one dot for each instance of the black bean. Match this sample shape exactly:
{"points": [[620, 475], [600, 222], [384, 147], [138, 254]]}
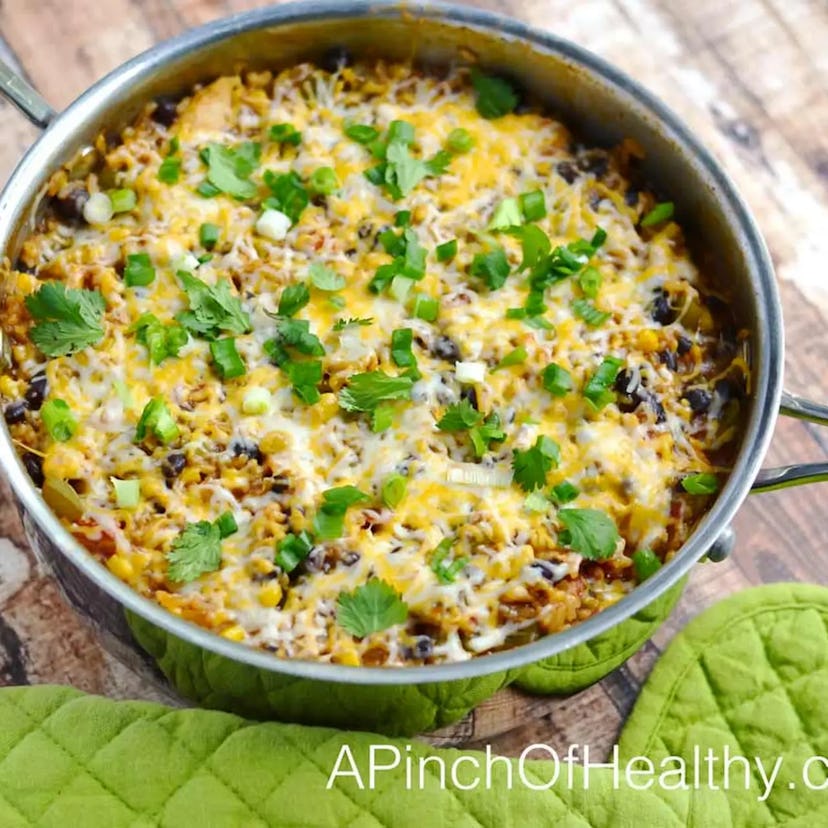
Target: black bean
{"points": [[34, 466], [365, 230], [21, 267], [631, 197], [662, 311], [335, 58], [726, 389], [423, 648], [627, 403], [350, 558], [595, 162], [165, 112], [567, 171], [699, 399], [15, 412], [280, 485], [626, 382], [683, 346], [69, 207], [445, 348], [668, 358], [246, 448], [469, 394], [36, 392], [173, 465], [549, 570], [657, 407]]}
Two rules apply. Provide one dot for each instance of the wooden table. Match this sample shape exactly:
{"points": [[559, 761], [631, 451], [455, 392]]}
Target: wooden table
{"points": [[750, 76]]}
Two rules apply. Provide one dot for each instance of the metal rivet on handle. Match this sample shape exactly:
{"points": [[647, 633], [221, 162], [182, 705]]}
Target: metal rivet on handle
{"points": [[722, 546]]}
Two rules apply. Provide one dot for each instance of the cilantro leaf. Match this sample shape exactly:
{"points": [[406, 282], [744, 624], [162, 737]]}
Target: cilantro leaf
{"points": [[489, 431], [590, 532], [703, 483], [289, 195], [213, 308], [68, 319], [305, 376], [366, 390], [535, 244], [492, 267], [325, 278], [353, 322], [161, 341], [495, 96], [292, 333], [373, 607], [194, 552], [293, 299], [463, 417], [531, 466], [229, 170], [459, 417]]}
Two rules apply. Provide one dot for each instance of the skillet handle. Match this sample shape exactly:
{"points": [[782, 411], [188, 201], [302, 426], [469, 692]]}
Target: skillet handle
{"points": [[19, 92], [799, 473]]}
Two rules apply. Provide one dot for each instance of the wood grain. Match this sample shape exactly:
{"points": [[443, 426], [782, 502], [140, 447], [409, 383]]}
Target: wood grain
{"points": [[750, 77]]}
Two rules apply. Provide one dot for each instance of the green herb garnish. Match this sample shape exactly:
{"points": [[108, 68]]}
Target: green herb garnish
{"points": [[495, 96], [353, 322], [329, 520], [531, 466], [446, 571], [292, 550], [507, 214], [323, 181], [459, 140], [288, 194], [304, 377], [197, 550], [590, 532], [532, 205], [68, 319], [703, 483], [365, 391], [208, 235], [514, 357], [156, 420], [229, 170], [213, 308], [138, 271], [492, 267], [584, 309], [564, 492], [556, 380], [645, 564], [285, 134], [373, 607], [58, 419], [597, 389], [361, 133], [661, 212], [169, 170], [293, 299], [393, 490], [590, 281], [325, 278], [229, 364], [426, 307], [462, 416], [446, 251], [160, 340]]}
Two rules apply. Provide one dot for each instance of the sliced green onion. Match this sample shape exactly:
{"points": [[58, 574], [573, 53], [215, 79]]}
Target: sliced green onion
{"points": [[703, 483], [124, 394], [400, 288], [402, 218], [323, 181], [661, 212], [564, 492], [156, 418], [227, 525], [507, 214], [98, 208], [361, 133], [556, 380], [533, 205], [645, 563], [170, 170], [285, 134], [57, 417], [139, 271], [382, 418], [127, 492], [514, 357], [446, 251], [460, 140], [584, 309], [393, 490], [590, 281], [425, 307], [208, 235], [597, 390], [293, 549], [536, 501], [256, 401], [122, 200], [227, 360], [470, 372]]}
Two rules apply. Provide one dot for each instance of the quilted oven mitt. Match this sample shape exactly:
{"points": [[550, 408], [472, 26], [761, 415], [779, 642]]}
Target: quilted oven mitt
{"points": [[752, 674]]}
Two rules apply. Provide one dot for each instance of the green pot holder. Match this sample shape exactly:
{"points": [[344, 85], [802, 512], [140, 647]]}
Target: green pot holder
{"points": [[750, 674]]}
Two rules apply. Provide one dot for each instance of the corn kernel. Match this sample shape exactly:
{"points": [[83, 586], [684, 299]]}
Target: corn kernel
{"points": [[270, 594], [326, 408], [262, 565], [273, 441], [648, 340], [234, 633], [121, 567], [351, 659]]}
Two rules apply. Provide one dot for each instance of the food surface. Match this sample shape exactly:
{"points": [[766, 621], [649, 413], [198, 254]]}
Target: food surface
{"points": [[368, 366]]}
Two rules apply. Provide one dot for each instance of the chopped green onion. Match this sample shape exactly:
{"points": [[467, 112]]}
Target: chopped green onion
{"points": [[703, 483], [495, 96], [446, 573], [536, 501], [228, 362], [156, 419], [323, 181], [139, 271], [256, 401], [556, 380], [285, 134], [507, 214], [124, 394], [661, 212], [127, 492], [393, 490], [532, 205], [590, 281], [382, 418], [227, 525], [402, 218], [597, 389], [57, 417], [425, 307], [446, 251], [293, 299], [492, 267], [208, 235], [123, 200], [514, 357], [361, 133], [598, 238], [585, 310], [564, 492], [460, 140], [400, 288], [292, 550], [401, 353], [645, 563], [170, 170]]}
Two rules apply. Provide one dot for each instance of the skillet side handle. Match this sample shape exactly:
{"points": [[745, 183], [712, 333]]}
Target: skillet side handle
{"points": [[798, 474], [24, 97]]}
